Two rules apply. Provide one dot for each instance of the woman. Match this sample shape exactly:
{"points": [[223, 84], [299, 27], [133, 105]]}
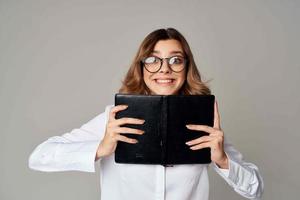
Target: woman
{"points": [[163, 65]]}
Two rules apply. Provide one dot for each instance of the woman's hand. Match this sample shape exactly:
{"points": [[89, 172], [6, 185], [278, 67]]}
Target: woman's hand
{"points": [[215, 140], [112, 134]]}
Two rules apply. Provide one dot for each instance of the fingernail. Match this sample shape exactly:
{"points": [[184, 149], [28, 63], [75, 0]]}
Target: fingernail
{"points": [[188, 143], [125, 106]]}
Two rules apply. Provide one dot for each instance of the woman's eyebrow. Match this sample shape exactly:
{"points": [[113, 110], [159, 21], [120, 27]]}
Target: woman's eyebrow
{"points": [[172, 52], [175, 52]]}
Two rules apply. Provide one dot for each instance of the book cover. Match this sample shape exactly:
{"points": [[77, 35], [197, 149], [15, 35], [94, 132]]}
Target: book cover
{"points": [[165, 132]]}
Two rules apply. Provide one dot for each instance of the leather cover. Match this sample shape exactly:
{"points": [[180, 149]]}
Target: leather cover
{"points": [[165, 132]]}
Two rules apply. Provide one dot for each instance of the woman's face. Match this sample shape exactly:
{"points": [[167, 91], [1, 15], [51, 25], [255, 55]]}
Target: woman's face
{"points": [[165, 81]]}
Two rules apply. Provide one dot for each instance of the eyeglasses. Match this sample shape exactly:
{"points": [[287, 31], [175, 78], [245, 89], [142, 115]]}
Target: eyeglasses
{"points": [[153, 63]]}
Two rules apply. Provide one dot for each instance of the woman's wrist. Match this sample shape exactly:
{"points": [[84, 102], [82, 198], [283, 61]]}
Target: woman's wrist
{"points": [[223, 163], [99, 152], [97, 156]]}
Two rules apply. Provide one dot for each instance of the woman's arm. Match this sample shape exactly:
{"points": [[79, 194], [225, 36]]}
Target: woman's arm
{"points": [[244, 177], [75, 150]]}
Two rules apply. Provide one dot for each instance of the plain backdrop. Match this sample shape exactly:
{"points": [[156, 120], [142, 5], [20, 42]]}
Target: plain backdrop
{"points": [[61, 62]]}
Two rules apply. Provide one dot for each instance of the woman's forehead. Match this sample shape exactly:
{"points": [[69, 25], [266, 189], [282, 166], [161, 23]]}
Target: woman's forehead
{"points": [[168, 47]]}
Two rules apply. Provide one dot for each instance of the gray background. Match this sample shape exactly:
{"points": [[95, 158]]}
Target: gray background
{"points": [[62, 61]]}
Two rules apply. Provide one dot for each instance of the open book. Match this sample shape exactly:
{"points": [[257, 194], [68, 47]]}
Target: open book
{"points": [[165, 128]]}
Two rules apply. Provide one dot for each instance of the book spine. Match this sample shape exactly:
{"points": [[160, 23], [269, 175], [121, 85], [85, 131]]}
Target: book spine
{"points": [[164, 126]]}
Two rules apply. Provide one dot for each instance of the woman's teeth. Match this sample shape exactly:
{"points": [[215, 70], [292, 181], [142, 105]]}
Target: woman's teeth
{"points": [[164, 80]]}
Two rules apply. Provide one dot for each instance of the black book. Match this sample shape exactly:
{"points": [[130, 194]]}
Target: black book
{"points": [[165, 128]]}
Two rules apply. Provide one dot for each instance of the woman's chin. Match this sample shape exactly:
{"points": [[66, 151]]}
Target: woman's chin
{"points": [[162, 92]]}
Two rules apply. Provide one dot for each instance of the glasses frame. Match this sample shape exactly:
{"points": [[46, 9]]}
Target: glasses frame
{"points": [[185, 61]]}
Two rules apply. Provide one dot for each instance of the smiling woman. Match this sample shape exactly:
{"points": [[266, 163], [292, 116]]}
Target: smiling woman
{"points": [[178, 75], [163, 65], [167, 81]]}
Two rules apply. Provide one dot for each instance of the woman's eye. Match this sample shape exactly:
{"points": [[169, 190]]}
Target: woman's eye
{"points": [[151, 60], [176, 60]]}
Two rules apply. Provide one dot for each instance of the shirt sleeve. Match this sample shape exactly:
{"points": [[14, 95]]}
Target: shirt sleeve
{"points": [[243, 176], [74, 150]]}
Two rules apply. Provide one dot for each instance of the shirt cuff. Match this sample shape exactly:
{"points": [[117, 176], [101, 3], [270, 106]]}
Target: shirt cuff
{"points": [[236, 175], [223, 171], [84, 158]]}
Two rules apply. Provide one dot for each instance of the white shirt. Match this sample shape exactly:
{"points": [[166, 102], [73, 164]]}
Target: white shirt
{"points": [[76, 150]]}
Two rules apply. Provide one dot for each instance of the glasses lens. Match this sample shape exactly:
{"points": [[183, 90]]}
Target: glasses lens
{"points": [[152, 63], [177, 63]]}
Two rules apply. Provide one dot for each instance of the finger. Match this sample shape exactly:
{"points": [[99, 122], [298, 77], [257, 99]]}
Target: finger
{"points": [[201, 146], [127, 120], [126, 139], [204, 128], [114, 110], [126, 130], [199, 140], [216, 116]]}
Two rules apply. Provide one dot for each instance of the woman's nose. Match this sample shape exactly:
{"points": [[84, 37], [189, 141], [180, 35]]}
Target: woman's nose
{"points": [[165, 66]]}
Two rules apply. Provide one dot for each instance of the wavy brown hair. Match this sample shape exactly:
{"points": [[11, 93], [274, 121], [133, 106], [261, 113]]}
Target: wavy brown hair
{"points": [[133, 82]]}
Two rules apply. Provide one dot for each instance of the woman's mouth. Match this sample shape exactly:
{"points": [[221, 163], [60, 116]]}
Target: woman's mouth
{"points": [[164, 81]]}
